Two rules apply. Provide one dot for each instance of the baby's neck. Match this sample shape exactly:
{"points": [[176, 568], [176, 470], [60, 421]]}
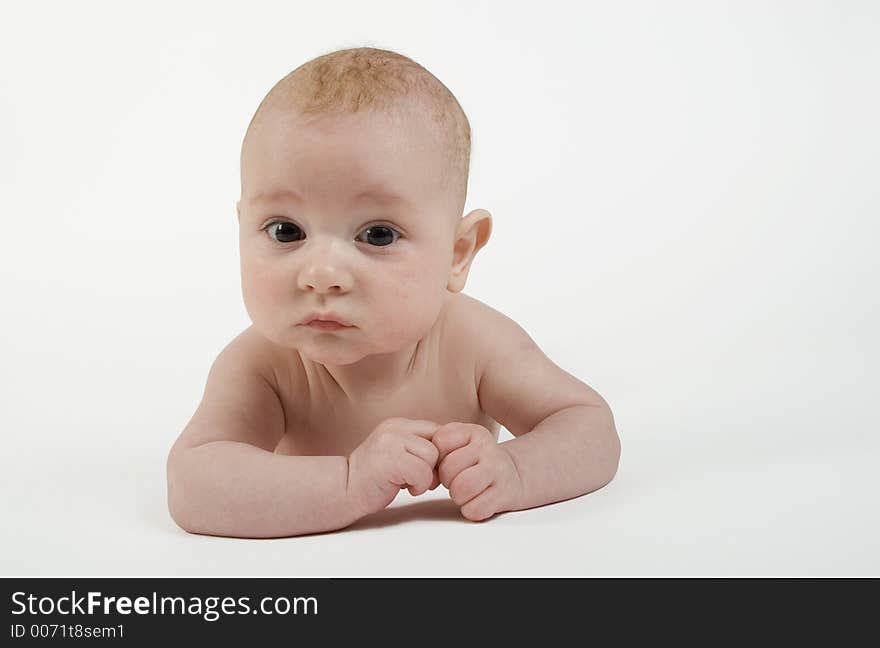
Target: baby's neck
{"points": [[373, 377]]}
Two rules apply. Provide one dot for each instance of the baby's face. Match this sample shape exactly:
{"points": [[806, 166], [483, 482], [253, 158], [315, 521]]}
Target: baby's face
{"points": [[321, 230]]}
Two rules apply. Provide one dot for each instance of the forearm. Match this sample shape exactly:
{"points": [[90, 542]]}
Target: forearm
{"points": [[569, 453], [235, 489]]}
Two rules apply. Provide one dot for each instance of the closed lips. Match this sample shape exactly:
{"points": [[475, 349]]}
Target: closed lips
{"points": [[326, 319]]}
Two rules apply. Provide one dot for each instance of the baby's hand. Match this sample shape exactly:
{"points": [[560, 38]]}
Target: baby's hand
{"points": [[478, 471], [397, 453]]}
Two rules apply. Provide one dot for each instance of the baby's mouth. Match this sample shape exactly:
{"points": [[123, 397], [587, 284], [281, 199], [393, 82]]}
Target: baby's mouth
{"points": [[323, 325]]}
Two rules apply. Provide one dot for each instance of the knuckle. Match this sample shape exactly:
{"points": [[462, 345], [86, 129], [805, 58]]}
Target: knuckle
{"points": [[480, 436], [441, 436], [386, 439], [445, 473], [434, 452], [390, 424], [451, 428], [458, 491]]}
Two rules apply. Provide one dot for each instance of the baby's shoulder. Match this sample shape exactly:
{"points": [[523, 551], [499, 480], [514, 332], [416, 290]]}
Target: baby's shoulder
{"points": [[261, 355], [475, 325], [463, 310]]}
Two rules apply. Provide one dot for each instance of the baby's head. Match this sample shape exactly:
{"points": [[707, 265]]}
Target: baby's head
{"points": [[354, 175]]}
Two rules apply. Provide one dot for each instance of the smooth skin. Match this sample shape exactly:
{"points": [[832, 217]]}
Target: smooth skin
{"points": [[303, 430]]}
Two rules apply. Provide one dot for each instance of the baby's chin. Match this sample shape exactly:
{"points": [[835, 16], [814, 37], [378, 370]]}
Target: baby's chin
{"points": [[331, 357], [336, 352], [331, 350]]}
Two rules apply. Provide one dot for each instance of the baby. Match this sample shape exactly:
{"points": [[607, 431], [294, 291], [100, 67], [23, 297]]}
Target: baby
{"points": [[366, 369]]}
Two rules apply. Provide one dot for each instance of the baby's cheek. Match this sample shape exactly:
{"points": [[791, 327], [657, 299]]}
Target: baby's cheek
{"points": [[411, 303], [262, 294]]}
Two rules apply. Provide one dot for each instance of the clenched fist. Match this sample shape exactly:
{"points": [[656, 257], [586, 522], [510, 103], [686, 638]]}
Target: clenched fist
{"points": [[398, 453], [480, 474]]}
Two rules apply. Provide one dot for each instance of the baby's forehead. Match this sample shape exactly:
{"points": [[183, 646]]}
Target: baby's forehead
{"points": [[362, 145], [408, 125]]}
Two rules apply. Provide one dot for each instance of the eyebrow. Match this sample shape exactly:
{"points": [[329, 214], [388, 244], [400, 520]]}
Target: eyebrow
{"points": [[376, 194]]}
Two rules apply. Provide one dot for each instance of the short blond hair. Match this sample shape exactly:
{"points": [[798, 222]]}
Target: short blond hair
{"points": [[348, 80]]}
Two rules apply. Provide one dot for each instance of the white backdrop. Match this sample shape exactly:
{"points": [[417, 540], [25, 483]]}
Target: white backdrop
{"points": [[685, 201]]}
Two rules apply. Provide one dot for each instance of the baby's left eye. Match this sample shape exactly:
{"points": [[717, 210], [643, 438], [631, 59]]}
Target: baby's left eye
{"points": [[381, 235]]}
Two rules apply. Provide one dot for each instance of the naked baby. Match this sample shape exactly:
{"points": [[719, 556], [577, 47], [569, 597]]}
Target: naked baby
{"points": [[366, 369]]}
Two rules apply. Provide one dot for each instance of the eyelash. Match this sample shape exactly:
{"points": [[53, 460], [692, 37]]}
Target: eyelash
{"points": [[272, 223]]}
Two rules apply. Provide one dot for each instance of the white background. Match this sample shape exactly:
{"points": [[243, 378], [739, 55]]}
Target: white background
{"points": [[685, 199]]}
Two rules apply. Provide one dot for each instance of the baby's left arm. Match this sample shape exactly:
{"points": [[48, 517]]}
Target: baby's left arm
{"points": [[565, 441]]}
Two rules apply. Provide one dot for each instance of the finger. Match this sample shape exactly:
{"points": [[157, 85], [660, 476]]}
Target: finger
{"points": [[422, 428], [450, 437], [483, 506], [423, 449], [405, 467], [458, 460], [436, 481], [470, 483], [416, 473]]}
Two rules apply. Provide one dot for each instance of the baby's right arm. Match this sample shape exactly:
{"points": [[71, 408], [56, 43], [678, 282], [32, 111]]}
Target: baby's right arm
{"points": [[223, 477]]}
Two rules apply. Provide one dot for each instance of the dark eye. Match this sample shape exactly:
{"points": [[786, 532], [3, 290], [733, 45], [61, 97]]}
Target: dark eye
{"points": [[284, 232], [381, 235]]}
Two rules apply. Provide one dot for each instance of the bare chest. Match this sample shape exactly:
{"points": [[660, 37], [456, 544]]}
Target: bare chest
{"points": [[444, 392]]}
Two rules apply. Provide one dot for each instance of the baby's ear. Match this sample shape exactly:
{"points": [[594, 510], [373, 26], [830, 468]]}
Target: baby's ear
{"points": [[473, 233]]}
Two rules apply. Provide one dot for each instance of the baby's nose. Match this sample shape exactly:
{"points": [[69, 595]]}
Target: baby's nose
{"points": [[321, 287], [321, 280], [324, 271]]}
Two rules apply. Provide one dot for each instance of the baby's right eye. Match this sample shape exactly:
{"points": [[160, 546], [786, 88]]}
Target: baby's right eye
{"points": [[283, 232]]}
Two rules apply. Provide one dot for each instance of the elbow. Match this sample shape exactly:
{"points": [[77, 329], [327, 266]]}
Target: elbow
{"points": [[182, 512], [604, 440], [191, 499], [178, 511], [614, 444], [178, 498], [614, 458], [179, 518], [610, 448]]}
